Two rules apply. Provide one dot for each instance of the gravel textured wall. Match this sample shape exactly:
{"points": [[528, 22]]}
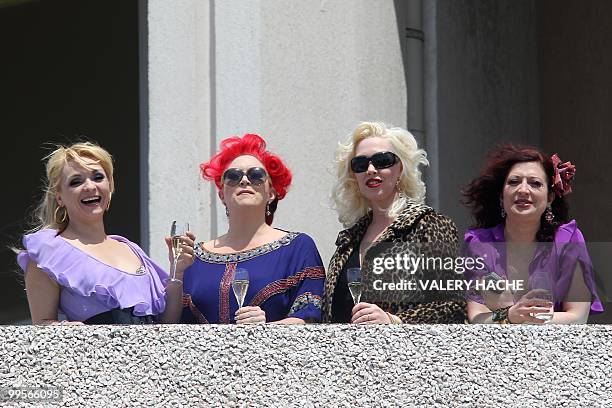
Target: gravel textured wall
{"points": [[313, 365]]}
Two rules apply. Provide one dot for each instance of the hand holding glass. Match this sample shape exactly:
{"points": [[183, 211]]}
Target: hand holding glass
{"points": [[353, 277], [540, 284], [176, 231]]}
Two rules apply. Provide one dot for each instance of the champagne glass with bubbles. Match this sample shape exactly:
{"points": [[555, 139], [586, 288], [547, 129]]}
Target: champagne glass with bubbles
{"points": [[240, 285], [176, 230], [353, 277]]}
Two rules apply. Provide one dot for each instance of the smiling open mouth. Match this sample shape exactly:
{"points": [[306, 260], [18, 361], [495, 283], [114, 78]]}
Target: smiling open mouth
{"points": [[91, 200]]}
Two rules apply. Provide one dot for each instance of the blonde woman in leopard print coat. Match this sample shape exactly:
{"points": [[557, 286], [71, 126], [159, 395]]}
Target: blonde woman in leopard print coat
{"points": [[379, 196]]}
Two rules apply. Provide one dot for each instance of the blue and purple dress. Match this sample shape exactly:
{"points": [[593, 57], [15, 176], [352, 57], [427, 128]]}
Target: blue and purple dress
{"points": [[286, 278], [88, 287], [557, 259]]}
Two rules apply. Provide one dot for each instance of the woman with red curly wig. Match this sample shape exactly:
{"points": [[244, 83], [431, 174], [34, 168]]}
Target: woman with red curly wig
{"points": [[284, 268], [523, 234]]}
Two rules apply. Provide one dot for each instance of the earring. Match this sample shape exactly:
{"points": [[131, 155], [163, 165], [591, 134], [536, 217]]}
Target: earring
{"points": [[501, 205], [109, 201], [63, 218], [548, 214], [268, 212], [400, 193], [226, 211]]}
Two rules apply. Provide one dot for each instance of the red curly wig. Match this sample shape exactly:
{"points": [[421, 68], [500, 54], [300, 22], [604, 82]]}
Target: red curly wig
{"points": [[252, 145]]}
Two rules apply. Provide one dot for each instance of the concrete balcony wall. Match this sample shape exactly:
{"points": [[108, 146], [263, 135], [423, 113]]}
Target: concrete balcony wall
{"points": [[314, 365]]}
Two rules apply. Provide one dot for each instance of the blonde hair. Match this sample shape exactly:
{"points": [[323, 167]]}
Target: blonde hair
{"points": [[348, 201], [55, 162]]}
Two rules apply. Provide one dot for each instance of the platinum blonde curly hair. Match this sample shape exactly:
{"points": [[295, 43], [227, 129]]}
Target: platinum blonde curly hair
{"points": [[348, 201]]}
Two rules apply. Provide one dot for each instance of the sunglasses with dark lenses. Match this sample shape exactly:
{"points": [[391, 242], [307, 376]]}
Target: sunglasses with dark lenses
{"points": [[381, 160], [233, 177]]}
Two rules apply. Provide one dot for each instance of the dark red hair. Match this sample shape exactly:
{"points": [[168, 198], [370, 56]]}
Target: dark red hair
{"points": [[252, 145], [482, 195]]}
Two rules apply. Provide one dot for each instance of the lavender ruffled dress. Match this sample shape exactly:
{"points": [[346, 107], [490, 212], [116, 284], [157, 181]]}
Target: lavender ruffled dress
{"points": [[90, 287]]}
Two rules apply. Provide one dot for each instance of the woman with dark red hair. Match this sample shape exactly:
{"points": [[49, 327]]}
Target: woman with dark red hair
{"points": [[284, 269], [536, 265]]}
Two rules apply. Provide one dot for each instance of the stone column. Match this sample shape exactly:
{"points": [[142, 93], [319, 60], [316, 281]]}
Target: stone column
{"points": [[178, 119]]}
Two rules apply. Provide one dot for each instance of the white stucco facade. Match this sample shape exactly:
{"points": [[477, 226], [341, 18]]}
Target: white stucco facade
{"points": [[179, 118]]}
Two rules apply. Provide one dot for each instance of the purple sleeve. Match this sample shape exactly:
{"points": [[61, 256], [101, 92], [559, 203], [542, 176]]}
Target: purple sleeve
{"points": [[575, 250], [23, 259], [45, 250], [482, 247], [471, 250]]}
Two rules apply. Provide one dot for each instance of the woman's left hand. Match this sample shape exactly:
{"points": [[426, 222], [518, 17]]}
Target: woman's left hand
{"points": [[250, 315], [368, 313], [187, 254]]}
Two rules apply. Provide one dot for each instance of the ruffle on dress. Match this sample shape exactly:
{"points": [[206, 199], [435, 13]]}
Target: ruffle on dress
{"points": [[90, 286]]}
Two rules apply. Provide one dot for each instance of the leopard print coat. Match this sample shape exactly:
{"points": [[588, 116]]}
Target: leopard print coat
{"points": [[435, 234]]}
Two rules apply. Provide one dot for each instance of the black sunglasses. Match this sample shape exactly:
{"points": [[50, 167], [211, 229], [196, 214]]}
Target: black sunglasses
{"points": [[381, 160], [233, 177]]}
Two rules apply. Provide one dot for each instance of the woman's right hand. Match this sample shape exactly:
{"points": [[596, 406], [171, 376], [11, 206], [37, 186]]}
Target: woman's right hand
{"points": [[187, 254], [529, 305], [250, 315]]}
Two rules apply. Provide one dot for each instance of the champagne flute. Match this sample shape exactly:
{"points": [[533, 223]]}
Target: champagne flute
{"points": [[353, 277], [240, 285], [541, 282], [177, 249]]}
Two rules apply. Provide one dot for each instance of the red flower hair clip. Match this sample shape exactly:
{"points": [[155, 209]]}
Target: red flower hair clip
{"points": [[564, 173]]}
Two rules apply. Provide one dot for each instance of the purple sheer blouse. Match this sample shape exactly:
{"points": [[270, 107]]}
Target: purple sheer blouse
{"points": [[569, 248], [87, 285]]}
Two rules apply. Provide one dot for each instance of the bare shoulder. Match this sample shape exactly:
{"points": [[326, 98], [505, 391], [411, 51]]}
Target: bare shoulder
{"points": [[36, 276], [33, 268], [223, 245], [219, 245], [276, 234], [209, 245]]}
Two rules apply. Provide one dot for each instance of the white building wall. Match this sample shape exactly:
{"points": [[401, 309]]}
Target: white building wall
{"points": [[301, 74], [179, 118], [314, 70]]}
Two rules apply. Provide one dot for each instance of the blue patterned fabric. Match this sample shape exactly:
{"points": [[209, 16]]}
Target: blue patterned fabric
{"points": [[286, 279]]}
